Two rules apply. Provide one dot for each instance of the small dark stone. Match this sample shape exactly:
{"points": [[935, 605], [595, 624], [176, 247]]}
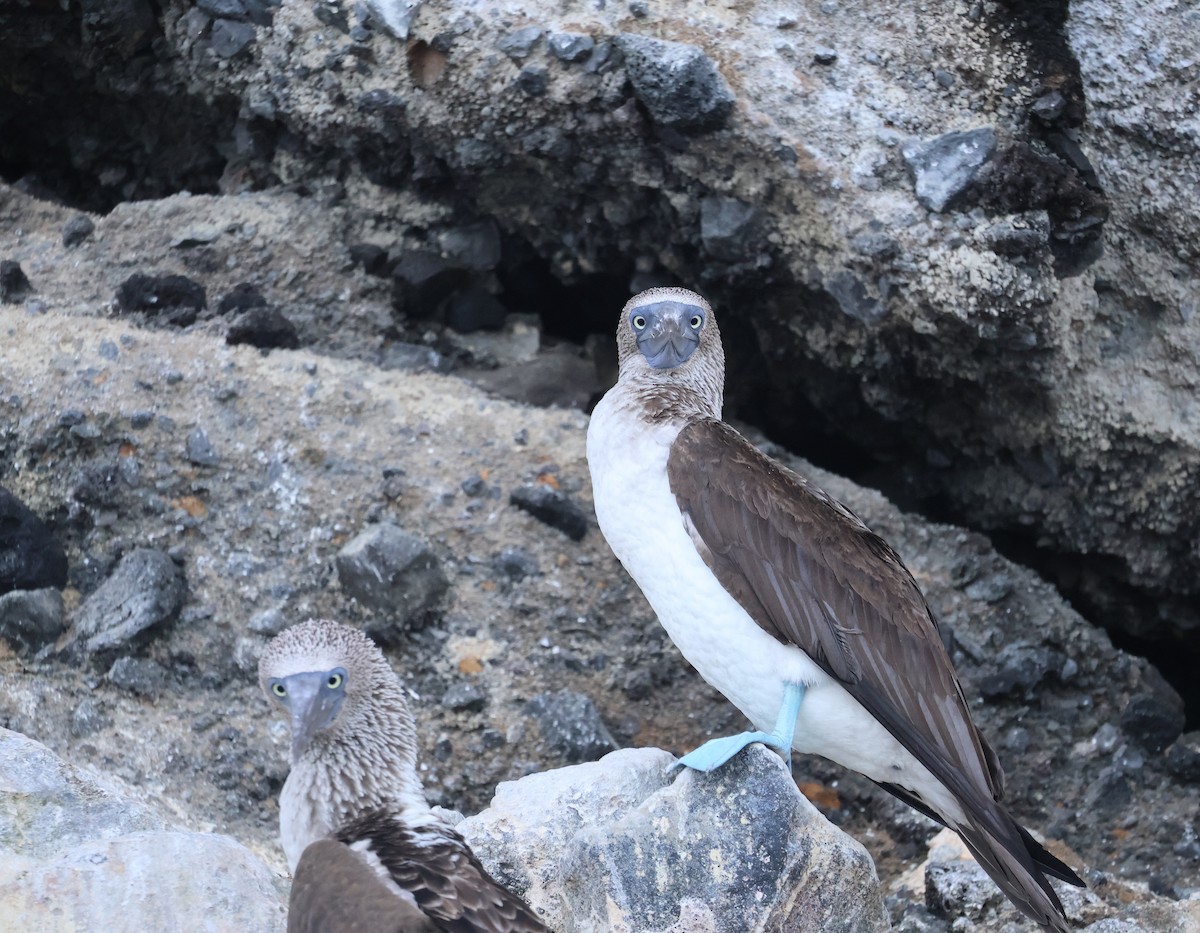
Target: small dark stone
{"points": [[1109, 794], [465, 697], [875, 245], [824, 55], [242, 297], [138, 675], [77, 229], [474, 486], [109, 350], [1183, 757], [730, 229], [422, 280], [370, 258], [475, 309], [394, 572], [1049, 107], [331, 13], [1018, 668], [265, 328], [571, 725], [571, 46], [678, 84], [638, 684], [639, 8], [1024, 234], [200, 450], [533, 80], [1152, 722], [516, 563], [520, 43], [30, 619], [88, 718], [102, 484], [944, 168], [854, 297], [231, 38], [30, 556], [552, 506], [175, 297], [944, 78], [223, 9], [383, 103], [474, 246], [14, 286], [145, 591], [141, 419]]}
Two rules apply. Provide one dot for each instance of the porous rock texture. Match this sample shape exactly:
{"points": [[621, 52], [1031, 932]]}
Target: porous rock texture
{"points": [[478, 197]]}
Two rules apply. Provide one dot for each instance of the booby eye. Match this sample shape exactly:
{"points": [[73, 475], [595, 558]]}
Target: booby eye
{"points": [[696, 321], [278, 689], [334, 681], [639, 322]]}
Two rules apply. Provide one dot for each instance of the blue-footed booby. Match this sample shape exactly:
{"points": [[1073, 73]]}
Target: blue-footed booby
{"points": [[367, 852], [785, 602]]}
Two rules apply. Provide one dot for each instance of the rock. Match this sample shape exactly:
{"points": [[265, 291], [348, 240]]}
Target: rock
{"points": [[88, 718], [677, 83], [138, 675], [571, 725], [1019, 235], [1049, 106], [520, 43], [76, 230], [30, 556], [371, 258], [71, 846], [1152, 721], [31, 619], [231, 38], [534, 80], [242, 297], [175, 298], [422, 280], [472, 246], [571, 46], [823, 55], [552, 506], [144, 592], [475, 309], [1183, 757], [623, 844], [1019, 668], [730, 229], [465, 697], [200, 450], [14, 285], [1109, 793], [396, 15], [387, 569], [516, 563], [223, 9], [944, 168], [265, 328]]}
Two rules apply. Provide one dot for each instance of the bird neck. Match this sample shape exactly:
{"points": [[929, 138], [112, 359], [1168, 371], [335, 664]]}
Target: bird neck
{"points": [[671, 397]]}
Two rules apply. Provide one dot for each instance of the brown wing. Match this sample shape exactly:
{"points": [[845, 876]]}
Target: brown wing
{"points": [[435, 865], [334, 890], [810, 573]]}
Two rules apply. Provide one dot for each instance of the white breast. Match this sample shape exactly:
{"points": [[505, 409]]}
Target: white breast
{"points": [[641, 520]]}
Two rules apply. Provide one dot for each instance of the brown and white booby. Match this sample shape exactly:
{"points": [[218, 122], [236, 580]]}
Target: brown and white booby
{"points": [[367, 852], [783, 600]]}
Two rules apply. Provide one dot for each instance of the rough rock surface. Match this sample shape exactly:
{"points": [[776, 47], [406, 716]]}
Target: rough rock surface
{"points": [[622, 844], [79, 853]]}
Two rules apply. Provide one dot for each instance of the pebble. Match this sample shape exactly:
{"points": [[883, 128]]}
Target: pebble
{"points": [[264, 328], [571, 725], [30, 556], [520, 43], [678, 84], [76, 230], [200, 450], [1183, 757], [944, 168], [465, 697], [14, 285], [516, 563], [552, 506], [144, 592], [371, 258], [396, 573], [31, 619], [571, 46], [241, 297], [1152, 722], [138, 675], [176, 298], [823, 55]]}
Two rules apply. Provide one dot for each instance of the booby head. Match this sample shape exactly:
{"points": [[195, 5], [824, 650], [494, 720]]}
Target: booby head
{"points": [[669, 337], [333, 681]]}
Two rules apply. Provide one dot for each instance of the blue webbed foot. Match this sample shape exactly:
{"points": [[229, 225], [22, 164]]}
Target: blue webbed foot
{"points": [[715, 752]]}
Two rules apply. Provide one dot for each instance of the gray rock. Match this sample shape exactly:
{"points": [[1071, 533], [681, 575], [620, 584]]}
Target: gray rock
{"points": [[14, 285], [677, 83], [473, 246], [730, 229], [519, 43], [200, 450], [945, 167], [396, 15], [1020, 235], [231, 38], [1183, 757], [465, 696], [138, 675], [534, 80], [144, 592], [571, 46], [823, 55], [960, 888], [624, 844], [394, 572], [88, 718], [552, 506], [475, 309], [1152, 721], [31, 619], [77, 229], [1109, 794], [72, 846], [1019, 667], [516, 563], [223, 9], [855, 299], [571, 724], [1049, 107]]}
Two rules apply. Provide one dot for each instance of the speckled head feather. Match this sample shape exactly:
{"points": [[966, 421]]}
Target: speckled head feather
{"points": [[692, 389]]}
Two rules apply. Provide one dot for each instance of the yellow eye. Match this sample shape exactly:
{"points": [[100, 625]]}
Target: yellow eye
{"points": [[279, 690], [334, 681], [696, 321], [639, 322]]}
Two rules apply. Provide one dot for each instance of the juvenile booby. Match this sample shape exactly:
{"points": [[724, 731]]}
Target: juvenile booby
{"points": [[783, 600], [367, 852]]}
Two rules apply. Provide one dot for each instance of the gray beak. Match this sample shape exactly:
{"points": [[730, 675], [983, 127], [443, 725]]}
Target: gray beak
{"points": [[668, 340], [313, 705]]}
